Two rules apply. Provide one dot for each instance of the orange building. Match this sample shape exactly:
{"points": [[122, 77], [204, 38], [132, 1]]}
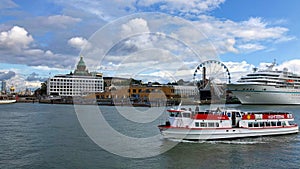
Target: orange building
{"points": [[139, 92]]}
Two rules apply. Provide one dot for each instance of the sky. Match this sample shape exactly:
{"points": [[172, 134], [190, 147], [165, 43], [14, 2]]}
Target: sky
{"points": [[151, 40]]}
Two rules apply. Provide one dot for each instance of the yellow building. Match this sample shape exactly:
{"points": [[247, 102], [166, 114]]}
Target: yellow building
{"points": [[138, 92], [159, 95]]}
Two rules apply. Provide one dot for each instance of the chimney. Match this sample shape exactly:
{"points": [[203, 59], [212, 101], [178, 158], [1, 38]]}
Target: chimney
{"points": [[204, 75]]}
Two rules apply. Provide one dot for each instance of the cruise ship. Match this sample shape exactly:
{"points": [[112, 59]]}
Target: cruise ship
{"points": [[267, 87]]}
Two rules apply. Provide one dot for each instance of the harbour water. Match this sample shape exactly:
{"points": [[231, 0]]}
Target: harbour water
{"points": [[50, 136]]}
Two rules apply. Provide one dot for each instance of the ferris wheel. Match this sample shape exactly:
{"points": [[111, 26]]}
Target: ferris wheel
{"points": [[212, 76]]}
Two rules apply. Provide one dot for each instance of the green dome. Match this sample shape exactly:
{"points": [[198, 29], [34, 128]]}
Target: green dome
{"points": [[81, 68], [81, 62]]}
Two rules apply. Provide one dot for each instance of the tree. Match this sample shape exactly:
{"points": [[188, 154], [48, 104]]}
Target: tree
{"points": [[44, 88]]}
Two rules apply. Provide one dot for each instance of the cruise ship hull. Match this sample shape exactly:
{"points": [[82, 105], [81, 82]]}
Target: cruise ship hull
{"points": [[260, 94]]}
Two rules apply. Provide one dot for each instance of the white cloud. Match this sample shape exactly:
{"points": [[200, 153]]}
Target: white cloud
{"points": [[227, 35], [61, 21], [226, 45], [183, 8], [33, 52], [246, 36], [256, 29], [238, 69], [5, 75], [108, 10], [48, 69], [16, 46], [137, 31], [101, 9], [16, 38], [249, 47], [79, 43], [134, 26], [291, 65], [7, 4], [21, 84]]}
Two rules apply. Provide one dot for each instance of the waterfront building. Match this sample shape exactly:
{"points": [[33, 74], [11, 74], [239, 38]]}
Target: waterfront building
{"points": [[3, 87], [110, 82], [145, 93], [186, 91], [80, 83]]}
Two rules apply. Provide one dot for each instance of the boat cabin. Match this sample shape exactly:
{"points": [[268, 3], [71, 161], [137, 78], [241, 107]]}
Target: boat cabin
{"points": [[200, 119], [228, 119]]}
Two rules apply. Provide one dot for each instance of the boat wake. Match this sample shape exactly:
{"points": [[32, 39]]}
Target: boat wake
{"points": [[246, 141]]}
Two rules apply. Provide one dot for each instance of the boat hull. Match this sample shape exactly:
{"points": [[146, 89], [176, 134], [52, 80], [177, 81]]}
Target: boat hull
{"points": [[219, 134], [259, 94], [7, 101]]}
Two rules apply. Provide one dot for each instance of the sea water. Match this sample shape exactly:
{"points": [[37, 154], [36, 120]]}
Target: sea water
{"points": [[50, 136]]}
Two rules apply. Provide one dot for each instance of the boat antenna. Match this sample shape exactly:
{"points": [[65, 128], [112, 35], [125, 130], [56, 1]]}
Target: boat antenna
{"points": [[179, 106], [270, 67]]}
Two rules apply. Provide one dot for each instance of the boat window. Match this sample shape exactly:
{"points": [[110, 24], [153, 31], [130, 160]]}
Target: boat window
{"points": [[290, 116], [229, 114], [178, 115], [267, 124], [202, 124], [261, 124], [283, 123], [217, 124], [211, 124], [197, 124], [279, 123], [291, 123], [250, 124], [255, 124], [186, 115], [273, 123], [237, 114], [258, 116]]}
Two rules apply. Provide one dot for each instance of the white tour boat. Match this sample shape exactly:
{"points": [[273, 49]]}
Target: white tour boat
{"points": [[267, 87], [229, 124], [6, 99]]}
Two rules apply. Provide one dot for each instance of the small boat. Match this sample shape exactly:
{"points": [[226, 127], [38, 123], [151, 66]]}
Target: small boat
{"points": [[6, 99], [226, 124]]}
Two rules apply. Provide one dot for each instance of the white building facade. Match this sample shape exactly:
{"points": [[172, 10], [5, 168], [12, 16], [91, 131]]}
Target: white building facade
{"points": [[186, 91], [78, 84]]}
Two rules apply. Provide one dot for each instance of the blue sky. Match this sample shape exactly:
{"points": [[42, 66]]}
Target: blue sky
{"points": [[42, 38]]}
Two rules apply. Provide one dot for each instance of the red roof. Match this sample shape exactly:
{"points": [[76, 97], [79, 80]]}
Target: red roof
{"points": [[210, 117]]}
